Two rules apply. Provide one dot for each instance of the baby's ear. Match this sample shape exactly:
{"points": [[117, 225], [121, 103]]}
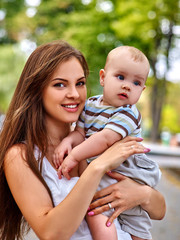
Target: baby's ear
{"points": [[101, 75]]}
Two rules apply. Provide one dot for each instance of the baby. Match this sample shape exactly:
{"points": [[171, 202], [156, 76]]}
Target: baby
{"points": [[105, 120]]}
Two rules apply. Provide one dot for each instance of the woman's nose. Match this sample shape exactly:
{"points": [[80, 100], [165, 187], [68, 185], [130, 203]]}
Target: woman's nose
{"points": [[72, 93]]}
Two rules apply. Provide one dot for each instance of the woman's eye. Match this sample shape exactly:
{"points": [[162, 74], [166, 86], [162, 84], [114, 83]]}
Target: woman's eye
{"points": [[121, 77], [81, 83], [137, 83], [60, 85]]}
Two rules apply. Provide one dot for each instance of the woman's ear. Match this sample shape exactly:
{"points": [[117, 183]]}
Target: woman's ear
{"points": [[101, 75]]}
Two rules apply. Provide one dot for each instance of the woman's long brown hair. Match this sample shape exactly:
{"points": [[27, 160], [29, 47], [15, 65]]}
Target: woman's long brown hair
{"points": [[24, 123]]}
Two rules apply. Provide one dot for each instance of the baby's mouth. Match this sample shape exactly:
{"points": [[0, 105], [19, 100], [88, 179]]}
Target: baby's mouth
{"points": [[123, 95]]}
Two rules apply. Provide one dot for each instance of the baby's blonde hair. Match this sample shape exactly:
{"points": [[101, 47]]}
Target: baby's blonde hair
{"points": [[136, 54]]}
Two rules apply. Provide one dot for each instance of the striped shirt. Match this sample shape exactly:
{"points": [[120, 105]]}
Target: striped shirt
{"points": [[125, 120]]}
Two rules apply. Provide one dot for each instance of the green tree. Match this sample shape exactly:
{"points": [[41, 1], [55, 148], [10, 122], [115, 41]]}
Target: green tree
{"points": [[11, 63], [10, 24]]}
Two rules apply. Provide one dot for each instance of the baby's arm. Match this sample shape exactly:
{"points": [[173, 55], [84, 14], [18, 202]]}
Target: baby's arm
{"points": [[67, 144], [93, 146], [99, 229]]}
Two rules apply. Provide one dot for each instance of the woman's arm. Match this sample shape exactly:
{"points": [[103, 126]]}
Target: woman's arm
{"points": [[154, 204], [34, 202], [126, 194]]}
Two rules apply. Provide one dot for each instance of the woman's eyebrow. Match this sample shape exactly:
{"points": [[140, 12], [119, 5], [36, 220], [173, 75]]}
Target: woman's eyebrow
{"points": [[81, 78], [61, 79], [65, 80]]}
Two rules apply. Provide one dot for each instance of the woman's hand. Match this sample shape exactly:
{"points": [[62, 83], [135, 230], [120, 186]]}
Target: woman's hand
{"points": [[123, 195], [119, 152], [126, 194]]}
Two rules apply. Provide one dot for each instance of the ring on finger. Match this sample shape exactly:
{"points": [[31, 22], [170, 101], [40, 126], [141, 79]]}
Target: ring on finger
{"points": [[109, 205], [132, 146]]}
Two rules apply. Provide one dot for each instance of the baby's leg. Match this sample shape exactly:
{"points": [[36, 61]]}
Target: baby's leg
{"points": [[99, 230], [137, 238]]}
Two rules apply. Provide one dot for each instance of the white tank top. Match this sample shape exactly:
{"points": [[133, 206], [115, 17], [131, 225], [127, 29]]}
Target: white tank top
{"points": [[60, 188]]}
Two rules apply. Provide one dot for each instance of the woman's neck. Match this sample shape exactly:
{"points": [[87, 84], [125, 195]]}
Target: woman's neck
{"points": [[56, 130], [55, 134]]}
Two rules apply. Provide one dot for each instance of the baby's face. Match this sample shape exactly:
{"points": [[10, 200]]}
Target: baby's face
{"points": [[123, 79]]}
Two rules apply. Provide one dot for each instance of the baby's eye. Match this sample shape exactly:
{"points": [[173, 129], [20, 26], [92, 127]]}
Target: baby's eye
{"points": [[137, 83], [121, 77], [60, 85]]}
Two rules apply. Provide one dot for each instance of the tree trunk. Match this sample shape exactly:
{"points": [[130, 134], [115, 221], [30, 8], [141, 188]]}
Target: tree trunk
{"points": [[158, 97], [159, 87]]}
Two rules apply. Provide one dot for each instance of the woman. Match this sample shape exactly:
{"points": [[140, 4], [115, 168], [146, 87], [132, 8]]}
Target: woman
{"points": [[50, 95]]}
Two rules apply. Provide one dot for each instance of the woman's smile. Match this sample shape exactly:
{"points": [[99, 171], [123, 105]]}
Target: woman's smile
{"points": [[70, 107]]}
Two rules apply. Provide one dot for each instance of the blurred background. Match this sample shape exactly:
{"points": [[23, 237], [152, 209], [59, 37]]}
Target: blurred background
{"points": [[95, 27]]}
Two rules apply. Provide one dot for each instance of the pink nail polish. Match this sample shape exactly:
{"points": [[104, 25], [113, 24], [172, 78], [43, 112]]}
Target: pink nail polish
{"points": [[89, 208], [147, 150], [141, 139], [108, 224], [90, 213]]}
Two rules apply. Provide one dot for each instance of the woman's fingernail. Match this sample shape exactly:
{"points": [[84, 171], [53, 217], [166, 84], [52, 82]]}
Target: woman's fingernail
{"points": [[141, 138], [89, 208], [109, 172], [108, 224], [90, 213], [147, 150]]}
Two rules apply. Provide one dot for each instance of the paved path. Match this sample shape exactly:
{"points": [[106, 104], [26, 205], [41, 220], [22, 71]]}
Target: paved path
{"points": [[166, 156], [169, 227]]}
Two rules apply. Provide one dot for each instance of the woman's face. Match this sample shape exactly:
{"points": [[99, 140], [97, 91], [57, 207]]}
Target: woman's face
{"points": [[65, 95]]}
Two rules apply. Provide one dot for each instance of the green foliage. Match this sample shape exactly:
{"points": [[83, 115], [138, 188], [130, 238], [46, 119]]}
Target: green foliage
{"points": [[170, 114], [12, 10], [11, 63], [170, 119]]}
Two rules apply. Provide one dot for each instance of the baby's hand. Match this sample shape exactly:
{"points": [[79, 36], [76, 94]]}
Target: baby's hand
{"points": [[67, 165], [61, 152]]}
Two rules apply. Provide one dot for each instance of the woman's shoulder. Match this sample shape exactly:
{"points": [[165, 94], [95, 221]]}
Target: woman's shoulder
{"points": [[14, 152]]}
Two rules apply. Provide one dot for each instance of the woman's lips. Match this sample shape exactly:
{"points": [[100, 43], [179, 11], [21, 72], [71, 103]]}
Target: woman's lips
{"points": [[70, 107]]}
